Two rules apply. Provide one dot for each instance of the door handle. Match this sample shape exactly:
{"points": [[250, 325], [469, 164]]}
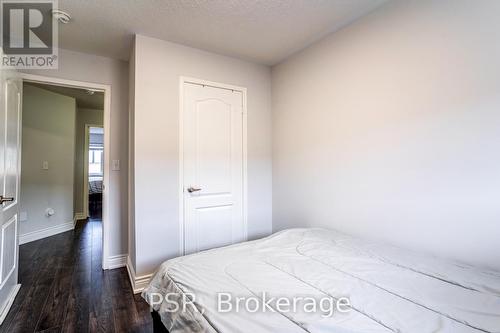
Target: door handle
{"points": [[5, 199], [193, 189]]}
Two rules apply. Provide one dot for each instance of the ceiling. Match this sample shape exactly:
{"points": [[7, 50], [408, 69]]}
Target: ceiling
{"points": [[83, 100], [261, 31]]}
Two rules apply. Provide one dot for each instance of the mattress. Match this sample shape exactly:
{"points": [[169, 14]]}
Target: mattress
{"points": [[95, 186], [388, 289]]}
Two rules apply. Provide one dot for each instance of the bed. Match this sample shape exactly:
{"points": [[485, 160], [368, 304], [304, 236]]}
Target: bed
{"points": [[95, 185], [95, 193], [389, 289]]}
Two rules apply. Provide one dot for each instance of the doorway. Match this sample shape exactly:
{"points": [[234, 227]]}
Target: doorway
{"points": [[81, 201], [94, 170], [213, 165]]}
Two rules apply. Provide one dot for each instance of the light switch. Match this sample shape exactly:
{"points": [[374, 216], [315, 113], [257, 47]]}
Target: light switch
{"points": [[45, 165], [116, 165]]}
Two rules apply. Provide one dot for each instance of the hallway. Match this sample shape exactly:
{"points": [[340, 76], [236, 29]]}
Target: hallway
{"points": [[64, 288]]}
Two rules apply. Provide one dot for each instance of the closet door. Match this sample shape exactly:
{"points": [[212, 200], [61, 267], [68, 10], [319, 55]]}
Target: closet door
{"points": [[213, 167]]}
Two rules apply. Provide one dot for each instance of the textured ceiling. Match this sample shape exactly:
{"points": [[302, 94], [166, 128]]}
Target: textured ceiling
{"points": [[263, 31], [83, 100]]}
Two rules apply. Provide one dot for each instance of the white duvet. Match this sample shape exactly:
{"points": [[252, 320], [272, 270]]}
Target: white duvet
{"points": [[389, 289]]}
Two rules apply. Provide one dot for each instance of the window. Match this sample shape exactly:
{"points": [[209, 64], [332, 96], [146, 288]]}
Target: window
{"points": [[96, 158]]}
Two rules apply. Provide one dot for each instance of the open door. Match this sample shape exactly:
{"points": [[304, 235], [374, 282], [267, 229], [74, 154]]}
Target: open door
{"points": [[10, 157]]}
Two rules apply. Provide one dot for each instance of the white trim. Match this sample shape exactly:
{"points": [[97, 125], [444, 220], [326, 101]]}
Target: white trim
{"points": [[85, 173], [45, 232], [243, 90], [182, 81], [245, 168], [117, 261], [79, 216], [106, 88], [138, 283], [63, 82], [131, 272], [86, 169], [9, 302]]}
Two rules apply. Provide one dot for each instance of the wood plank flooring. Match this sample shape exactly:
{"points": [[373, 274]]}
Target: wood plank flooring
{"points": [[64, 289]]}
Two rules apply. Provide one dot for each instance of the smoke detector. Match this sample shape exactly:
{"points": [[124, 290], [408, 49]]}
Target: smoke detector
{"points": [[60, 15]]}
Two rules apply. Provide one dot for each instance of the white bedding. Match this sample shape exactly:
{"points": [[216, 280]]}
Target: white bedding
{"points": [[390, 290]]}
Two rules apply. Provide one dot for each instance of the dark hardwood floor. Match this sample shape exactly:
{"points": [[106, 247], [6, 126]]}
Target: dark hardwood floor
{"points": [[64, 288]]}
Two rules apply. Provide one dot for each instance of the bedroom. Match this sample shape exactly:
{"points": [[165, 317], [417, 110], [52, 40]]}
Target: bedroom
{"points": [[376, 121]]}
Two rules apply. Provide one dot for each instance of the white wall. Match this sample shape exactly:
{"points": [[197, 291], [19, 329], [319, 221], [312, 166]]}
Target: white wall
{"points": [[90, 68], [83, 117], [48, 134], [131, 161], [158, 67], [390, 129]]}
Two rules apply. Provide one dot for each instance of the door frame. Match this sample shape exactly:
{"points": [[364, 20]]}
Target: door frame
{"points": [[182, 81], [86, 169], [106, 88]]}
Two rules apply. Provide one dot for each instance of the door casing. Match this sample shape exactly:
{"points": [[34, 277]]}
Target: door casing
{"points": [[182, 81], [107, 145]]}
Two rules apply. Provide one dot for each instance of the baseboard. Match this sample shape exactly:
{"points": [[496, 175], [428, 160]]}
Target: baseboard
{"points": [[46, 232], [138, 283], [117, 261], [79, 216], [8, 302]]}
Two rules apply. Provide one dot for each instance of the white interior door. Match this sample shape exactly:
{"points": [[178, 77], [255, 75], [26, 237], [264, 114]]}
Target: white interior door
{"points": [[212, 167], [10, 125]]}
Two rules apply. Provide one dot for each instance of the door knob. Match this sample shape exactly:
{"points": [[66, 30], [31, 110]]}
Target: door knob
{"points": [[4, 199], [193, 189]]}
